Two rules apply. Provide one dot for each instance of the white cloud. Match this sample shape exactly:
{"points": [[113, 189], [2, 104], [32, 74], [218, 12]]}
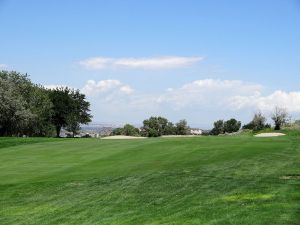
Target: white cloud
{"points": [[200, 101], [288, 100], [229, 95], [3, 66], [126, 89], [54, 86], [207, 93], [163, 62], [93, 87]]}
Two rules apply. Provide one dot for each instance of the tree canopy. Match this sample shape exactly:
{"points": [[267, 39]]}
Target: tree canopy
{"points": [[280, 117], [157, 126], [229, 126], [30, 109]]}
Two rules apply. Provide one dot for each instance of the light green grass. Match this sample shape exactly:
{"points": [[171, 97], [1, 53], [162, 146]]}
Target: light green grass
{"points": [[205, 180]]}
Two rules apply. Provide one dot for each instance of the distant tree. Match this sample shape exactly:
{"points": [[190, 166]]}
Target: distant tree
{"points": [[182, 128], [130, 130], [79, 114], [218, 128], [117, 131], [229, 126], [232, 125], [170, 129], [151, 132], [257, 123], [280, 116], [154, 126]]}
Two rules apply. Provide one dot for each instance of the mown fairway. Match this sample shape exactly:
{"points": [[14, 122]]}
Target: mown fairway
{"points": [[205, 180]]}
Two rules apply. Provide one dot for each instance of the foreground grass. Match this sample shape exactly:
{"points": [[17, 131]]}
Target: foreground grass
{"points": [[206, 180]]}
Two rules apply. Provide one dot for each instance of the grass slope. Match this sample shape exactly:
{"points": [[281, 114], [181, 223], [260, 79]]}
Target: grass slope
{"points": [[206, 180]]}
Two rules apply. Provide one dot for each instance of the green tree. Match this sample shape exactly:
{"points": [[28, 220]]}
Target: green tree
{"points": [[70, 109], [280, 117], [232, 125], [170, 129], [14, 114], [182, 128], [154, 126], [130, 130], [117, 131], [25, 107], [257, 123], [218, 128], [40, 106], [62, 107], [79, 113]]}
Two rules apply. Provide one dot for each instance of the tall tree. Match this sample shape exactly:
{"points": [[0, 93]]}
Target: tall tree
{"points": [[280, 117], [257, 123], [14, 116], [182, 128], [62, 107], [80, 113], [15, 112], [70, 109]]}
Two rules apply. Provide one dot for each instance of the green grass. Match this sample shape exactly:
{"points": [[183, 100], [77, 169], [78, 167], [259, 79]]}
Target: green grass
{"points": [[205, 180]]}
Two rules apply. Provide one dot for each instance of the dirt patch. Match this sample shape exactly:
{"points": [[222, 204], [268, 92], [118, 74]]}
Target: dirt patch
{"points": [[269, 135]]}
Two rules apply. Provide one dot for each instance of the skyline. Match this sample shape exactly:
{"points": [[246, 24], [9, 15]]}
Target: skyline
{"points": [[194, 60]]}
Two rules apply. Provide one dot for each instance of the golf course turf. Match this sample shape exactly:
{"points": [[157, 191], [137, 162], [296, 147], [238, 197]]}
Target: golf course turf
{"points": [[202, 180]]}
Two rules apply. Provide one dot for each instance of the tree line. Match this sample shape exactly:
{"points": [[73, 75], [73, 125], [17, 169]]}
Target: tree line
{"points": [[154, 127], [279, 116], [158, 126], [32, 110]]}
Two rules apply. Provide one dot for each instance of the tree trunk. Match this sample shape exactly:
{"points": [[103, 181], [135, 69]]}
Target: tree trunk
{"points": [[58, 128]]}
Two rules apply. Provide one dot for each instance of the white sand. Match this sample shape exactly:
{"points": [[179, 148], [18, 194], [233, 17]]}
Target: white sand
{"points": [[175, 136], [269, 135], [119, 137]]}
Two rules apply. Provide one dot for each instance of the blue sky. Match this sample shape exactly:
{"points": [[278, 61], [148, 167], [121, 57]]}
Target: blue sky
{"points": [[199, 60]]}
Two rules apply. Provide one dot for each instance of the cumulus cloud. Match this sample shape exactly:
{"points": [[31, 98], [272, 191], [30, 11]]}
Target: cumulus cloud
{"points": [[207, 93], [288, 100], [93, 87], [229, 95], [163, 62]]}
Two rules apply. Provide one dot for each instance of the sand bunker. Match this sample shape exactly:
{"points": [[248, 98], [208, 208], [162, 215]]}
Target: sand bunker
{"points": [[269, 135], [176, 136], [119, 137]]}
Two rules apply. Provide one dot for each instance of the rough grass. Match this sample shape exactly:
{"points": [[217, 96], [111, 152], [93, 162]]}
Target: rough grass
{"points": [[205, 180]]}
